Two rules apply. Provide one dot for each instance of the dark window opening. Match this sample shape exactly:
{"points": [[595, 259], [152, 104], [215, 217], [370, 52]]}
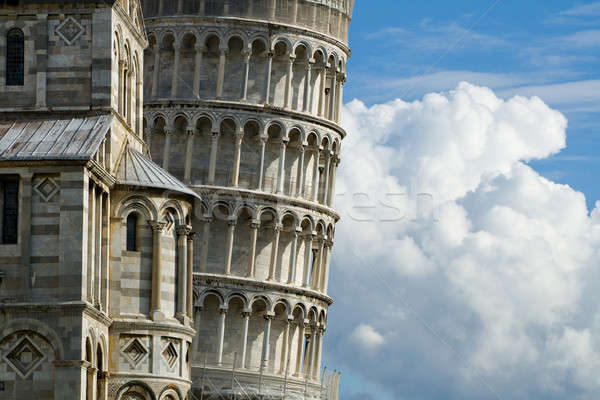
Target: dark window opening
{"points": [[9, 196], [132, 232], [15, 58]]}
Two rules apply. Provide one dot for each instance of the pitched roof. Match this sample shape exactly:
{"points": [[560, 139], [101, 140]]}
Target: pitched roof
{"points": [[135, 169], [53, 139]]}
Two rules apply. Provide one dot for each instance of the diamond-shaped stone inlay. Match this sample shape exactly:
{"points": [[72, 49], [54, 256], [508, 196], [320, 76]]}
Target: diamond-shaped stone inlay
{"points": [[24, 357], [47, 188], [170, 354], [70, 30], [135, 352]]}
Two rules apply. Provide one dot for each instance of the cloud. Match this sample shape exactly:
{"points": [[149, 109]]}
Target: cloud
{"points": [[367, 337], [477, 276], [586, 10], [574, 94]]}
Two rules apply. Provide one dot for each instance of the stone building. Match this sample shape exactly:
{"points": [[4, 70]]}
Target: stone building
{"points": [[95, 244], [242, 103]]}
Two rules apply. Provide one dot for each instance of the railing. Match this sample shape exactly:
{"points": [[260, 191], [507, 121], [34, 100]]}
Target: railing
{"points": [[227, 381]]}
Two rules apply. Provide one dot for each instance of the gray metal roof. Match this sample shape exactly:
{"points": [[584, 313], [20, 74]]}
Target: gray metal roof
{"points": [[135, 169], [52, 139]]}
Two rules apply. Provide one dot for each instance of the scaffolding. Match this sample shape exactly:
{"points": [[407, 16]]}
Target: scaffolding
{"points": [[226, 381]]}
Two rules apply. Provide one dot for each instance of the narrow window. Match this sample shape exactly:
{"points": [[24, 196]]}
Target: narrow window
{"points": [[15, 58], [132, 232], [10, 210]]}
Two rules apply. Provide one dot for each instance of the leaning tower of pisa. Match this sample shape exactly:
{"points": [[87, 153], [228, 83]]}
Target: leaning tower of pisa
{"points": [[242, 103]]}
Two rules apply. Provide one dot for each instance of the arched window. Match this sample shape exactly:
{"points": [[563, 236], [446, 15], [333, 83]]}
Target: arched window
{"points": [[15, 58], [132, 232]]}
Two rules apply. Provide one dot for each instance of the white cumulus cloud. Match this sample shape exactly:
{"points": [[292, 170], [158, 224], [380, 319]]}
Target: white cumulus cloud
{"points": [[480, 273]]}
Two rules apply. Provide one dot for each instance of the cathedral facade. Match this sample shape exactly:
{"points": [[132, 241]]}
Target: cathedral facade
{"points": [[167, 177]]}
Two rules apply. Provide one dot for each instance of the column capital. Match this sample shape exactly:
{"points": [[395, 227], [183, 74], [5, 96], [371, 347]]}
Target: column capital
{"points": [[223, 50], [176, 47], [246, 314], [246, 54], [157, 226], [254, 224], [190, 132], [215, 135], [191, 236], [184, 230], [200, 48], [206, 218], [277, 227], [232, 222], [223, 310], [269, 315]]}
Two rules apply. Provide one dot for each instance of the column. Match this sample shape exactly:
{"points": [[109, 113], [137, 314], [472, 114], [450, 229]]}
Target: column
{"points": [[301, 327], [292, 268], [155, 75], [157, 228], [326, 267], [246, 72], [284, 350], [221, 72], [315, 191], [274, 251], [197, 68], [307, 354], [175, 77], [261, 166], [189, 149], [244, 344], [180, 7], [221, 335], [98, 255], [91, 242], [229, 246], [167, 150], [204, 247], [190, 276], [333, 178], [268, 77], [305, 102], [307, 253], [313, 352], [102, 379], [318, 351], [300, 176], [267, 339], [182, 265], [326, 177], [91, 383], [281, 170], [139, 109], [288, 83], [160, 7], [105, 269], [340, 101], [322, 71], [318, 265], [236, 157], [213, 158], [332, 93], [295, 13], [253, 237]]}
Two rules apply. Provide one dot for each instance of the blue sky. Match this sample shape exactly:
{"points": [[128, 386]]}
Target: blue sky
{"points": [[426, 333], [406, 49]]}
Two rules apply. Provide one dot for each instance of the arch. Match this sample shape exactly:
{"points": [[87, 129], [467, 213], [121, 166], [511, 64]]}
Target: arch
{"points": [[102, 347], [282, 39], [15, 57], [211, 292], [40, 328], [299, 310], [269, 210], [140, 388], [174, 206], [170, 390], [245, 206], [139, 203], [291, 214], [213, 207], [238, 295], [205, 117], [307, 46], [286, 304], [210, 33], [236, 33], [307, 222], [261, 298]]}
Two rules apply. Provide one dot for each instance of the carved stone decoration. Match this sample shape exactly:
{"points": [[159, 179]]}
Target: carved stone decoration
{"points": [[135, 352], [170, 354], [46, 189], [132, 396], [70, 30], [24, 357]]}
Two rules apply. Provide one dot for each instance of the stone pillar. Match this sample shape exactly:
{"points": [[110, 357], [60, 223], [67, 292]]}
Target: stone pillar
{"points": [[180, 7], [105, 270], [246, 55], [294, 13], [244, 344], [229, 246], [197, 69], [333, 178], [139, 109], [175, 77], [319, 353], [293, 255], [326, 266], [318, 265], [189, 149], [305, 102], [285, 346], [91, 242], [253, 237], [315, 191], [102, 379], [340, 100], [326, 177], [332, 94], [281, 170], [261, 167], [182, 265], [167, 150], [300, 174], [301, 327], [274, 251], [307, 253], [190, 276], [156, 313], [236, 158], [213, 158], [308, 353], [156, 72], [91, 383], [288, 83], [221, 335], [268, 77], [160, 7], [206, 220], [322, 73], [221, 72], [266, 340], [98, 255]]}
